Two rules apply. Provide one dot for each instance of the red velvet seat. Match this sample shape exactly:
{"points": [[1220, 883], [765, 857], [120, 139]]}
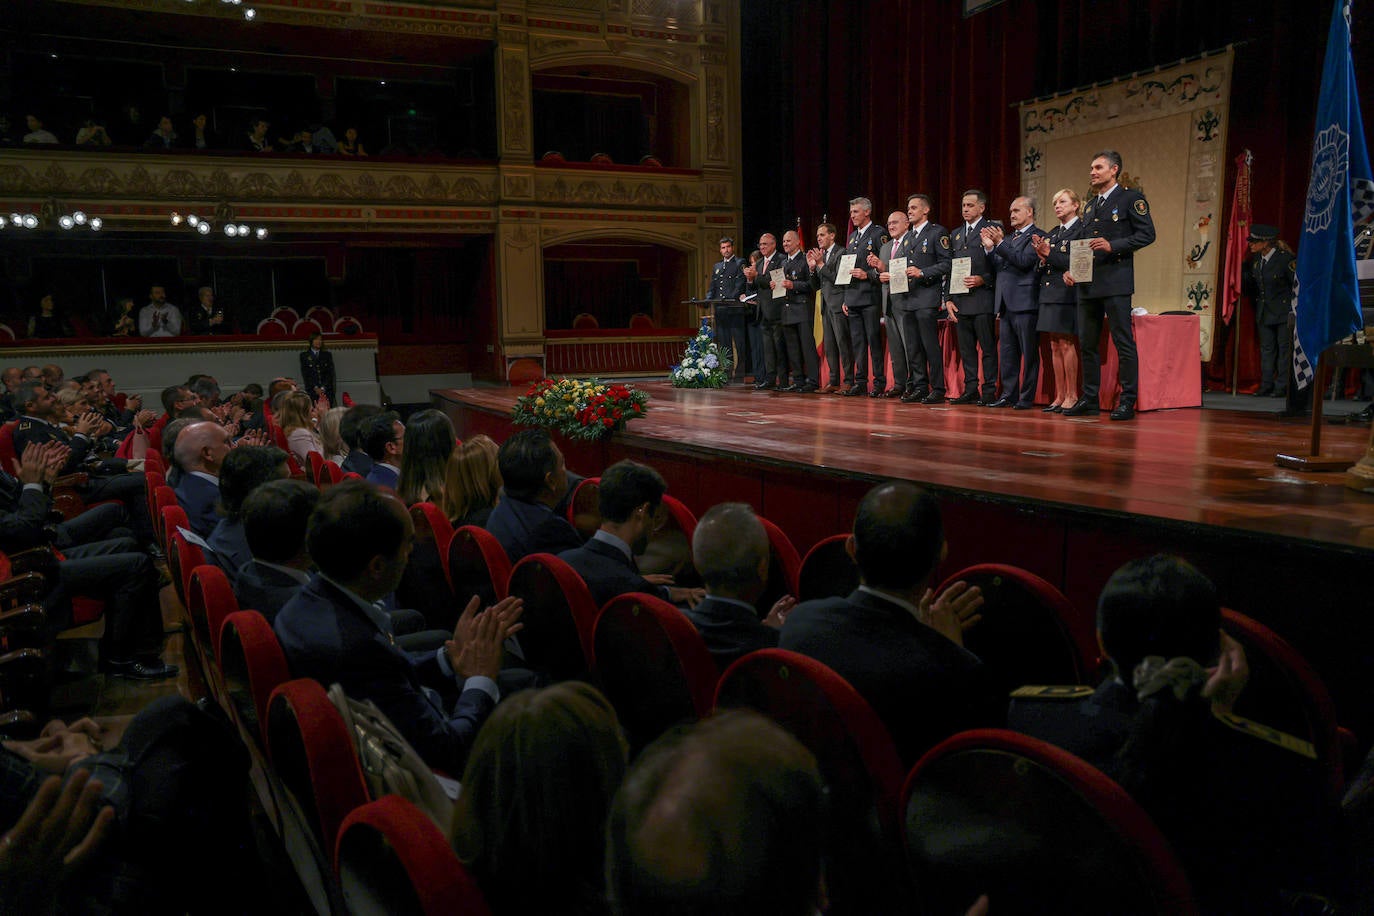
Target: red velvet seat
{"points": [[391, 858], [1287, 693], [585, 320], [559, 616], [784, 566], [584, 510], [273, 327], [998, 813], [164, 498], [286, 315], [152, 482], [252, 665], [304, 327], [347, 324], [317, 464], [669, 549], [827, 571], [641, 320], [1024, 635], [209, 589], [330, 474], [324, 316], [476, 564], [431, 522], [184, 557], [652, 665]]}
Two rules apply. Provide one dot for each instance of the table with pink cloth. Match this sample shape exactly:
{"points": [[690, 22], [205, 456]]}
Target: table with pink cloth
{"points": [[1167, 345]]}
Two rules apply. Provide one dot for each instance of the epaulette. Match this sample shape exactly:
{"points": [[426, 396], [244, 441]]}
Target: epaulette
{"points": [[24, 424], [1057, 692], [1266, 733]]}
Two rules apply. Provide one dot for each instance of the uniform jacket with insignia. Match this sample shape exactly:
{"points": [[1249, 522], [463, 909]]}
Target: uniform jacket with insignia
{"points": [[1124, 220]]}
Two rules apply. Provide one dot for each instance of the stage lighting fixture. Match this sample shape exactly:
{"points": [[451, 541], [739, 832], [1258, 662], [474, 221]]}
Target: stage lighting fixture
{"points": [[203, 228]]}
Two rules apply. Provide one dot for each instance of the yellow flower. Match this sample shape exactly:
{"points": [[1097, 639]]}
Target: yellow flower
{"points": [[539, 401]]}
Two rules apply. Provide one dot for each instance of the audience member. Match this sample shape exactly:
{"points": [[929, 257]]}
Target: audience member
{"points": [[384, 441], [201, 137], [530, 823], [204, 317], [129, 129], [52, 376], [37, 133], [159, 318], [255, 141], [535, 480], [47, 323], [724, 818], [351, 145], [900, 647], [163, 136], [331, 440], [123, 324], [629, 499], [274, 517], [472, 482], [317, 369], [243, 470], [332, 631], [303, 141], [730, 550], [429, 442], [296, 419], [200, 452], [92, 133], [351, 430]]}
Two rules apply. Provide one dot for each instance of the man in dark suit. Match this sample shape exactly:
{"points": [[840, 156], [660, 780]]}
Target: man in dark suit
{"points": [[275, 516], [1015, 259], [1117, 219], [335, 631], [900, 648], [1268, 281], [317, 369], [383, 439], [770, 313], [730, 550], [824, 260], [203, 317], [796, 329], [863, 299], [894, 247], [628, 499], [534, 480], [244, 469], [200, 450], [971, 306], [927, 269], [351, 428], [727, 282]]}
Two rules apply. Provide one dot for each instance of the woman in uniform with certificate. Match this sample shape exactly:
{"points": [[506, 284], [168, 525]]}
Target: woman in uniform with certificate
{"points": [[1058, 301]]}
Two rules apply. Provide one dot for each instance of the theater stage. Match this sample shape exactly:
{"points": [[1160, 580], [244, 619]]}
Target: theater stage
{"points": [[1069, 499]]}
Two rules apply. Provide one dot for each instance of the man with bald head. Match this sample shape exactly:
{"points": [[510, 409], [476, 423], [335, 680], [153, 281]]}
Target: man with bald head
{"points": [[796, 330], [770, 311], [11, 376], [900, 646], [200, 450], [1014, 256], [730, 551]]}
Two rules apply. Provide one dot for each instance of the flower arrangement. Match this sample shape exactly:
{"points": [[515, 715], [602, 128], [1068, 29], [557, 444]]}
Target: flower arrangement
{"points": [[579, 408], [703, 364]]}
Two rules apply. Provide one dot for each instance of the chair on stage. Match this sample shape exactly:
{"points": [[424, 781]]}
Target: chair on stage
{"points": [[857, 760], [1024, 636], [1287, 693], [1035, 828], [392, 859], [584, 510], [559, 616], [784, 566], [652, 665], [476, 564], [828, 571]]}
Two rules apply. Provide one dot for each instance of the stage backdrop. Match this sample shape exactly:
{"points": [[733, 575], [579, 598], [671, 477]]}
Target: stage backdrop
{"points": [[1170, 127]]}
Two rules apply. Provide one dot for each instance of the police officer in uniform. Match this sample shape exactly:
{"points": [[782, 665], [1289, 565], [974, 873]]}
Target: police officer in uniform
{"points": [[1268, 281], [770, 313], [863, 301], [927, 270], [798, 318], [727, 282], [1118, 221], [972, 307]]}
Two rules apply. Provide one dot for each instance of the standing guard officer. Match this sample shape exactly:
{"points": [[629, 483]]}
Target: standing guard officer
{"points": [[1268, 281], [727, 282]]}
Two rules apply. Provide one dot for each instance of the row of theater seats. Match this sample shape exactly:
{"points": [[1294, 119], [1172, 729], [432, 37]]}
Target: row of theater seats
{"points": [[639, 321], [285, 322], [357, 854]]}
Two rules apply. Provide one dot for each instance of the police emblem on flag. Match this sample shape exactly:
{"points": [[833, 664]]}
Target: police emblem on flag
{"points": [[1330, 165]]}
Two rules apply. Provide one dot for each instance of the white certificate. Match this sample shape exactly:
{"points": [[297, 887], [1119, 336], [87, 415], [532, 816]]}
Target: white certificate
{"points": [[845, 272], [897, 267], [960, 269], [1081, 260], [777, 277]]}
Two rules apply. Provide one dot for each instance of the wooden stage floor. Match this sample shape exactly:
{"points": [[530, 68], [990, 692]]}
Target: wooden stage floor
{"points": [[1192, 466]]}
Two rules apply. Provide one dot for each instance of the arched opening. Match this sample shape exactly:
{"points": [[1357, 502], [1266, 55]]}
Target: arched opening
{"points": [[586, 111], [615, 279]]}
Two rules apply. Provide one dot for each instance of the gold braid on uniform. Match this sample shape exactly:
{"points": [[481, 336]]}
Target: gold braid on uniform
{"points": [[1154, 674]]}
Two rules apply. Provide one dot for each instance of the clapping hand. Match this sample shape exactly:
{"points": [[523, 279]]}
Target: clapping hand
{"points": [[57, 834], [953, 612]]}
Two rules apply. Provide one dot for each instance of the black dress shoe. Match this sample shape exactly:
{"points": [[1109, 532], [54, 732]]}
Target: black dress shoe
{"points": [[147, 670], [1002, 402], [1053, 408], [855, 391], [792, 388], [1263, 393], [933, 398], [968, 397], [1084, 408], [876, 393], [1022, 406], [894, 393], [762, 386], [1123, 412]]}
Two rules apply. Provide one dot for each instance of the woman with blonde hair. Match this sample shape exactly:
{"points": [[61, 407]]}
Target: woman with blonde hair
{"points": [[295, 416], [335, 448], [472, 481], [1058, 300]]}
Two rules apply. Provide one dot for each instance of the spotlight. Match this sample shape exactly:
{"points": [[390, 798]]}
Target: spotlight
{"points": [[16, 219], [262, 233], [30, 221], [231, 230], [250, 14], [96, 223], [203, 228], [4, 221], [79, 218], [176, 218], [243, 230], [66, 222]]}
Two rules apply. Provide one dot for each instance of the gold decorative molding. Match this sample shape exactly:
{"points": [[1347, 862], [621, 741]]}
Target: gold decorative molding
{"points": [[639, 190]]}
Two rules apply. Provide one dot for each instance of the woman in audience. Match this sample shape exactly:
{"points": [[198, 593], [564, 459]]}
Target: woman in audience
{"points": [[429, 442], [472, 482], [531, 820], [335, 448], [296, 419], [351, 145], [48, 323]]}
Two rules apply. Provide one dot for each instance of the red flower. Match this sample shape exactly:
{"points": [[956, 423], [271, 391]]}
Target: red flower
{"points": [[608, 422], [616, 413]]}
